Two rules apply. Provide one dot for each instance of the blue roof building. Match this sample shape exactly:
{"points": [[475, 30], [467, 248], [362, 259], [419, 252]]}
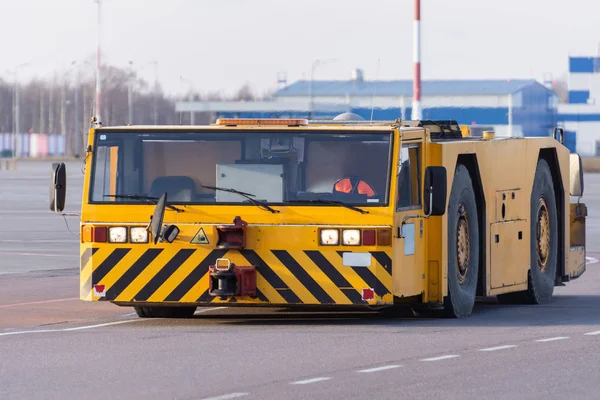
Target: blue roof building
{"points": [[512, 107]]}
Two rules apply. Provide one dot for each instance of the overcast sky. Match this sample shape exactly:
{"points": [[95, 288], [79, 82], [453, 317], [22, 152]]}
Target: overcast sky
{"points": [[221, 44]]}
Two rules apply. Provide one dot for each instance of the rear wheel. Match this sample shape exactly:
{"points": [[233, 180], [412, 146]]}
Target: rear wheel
{"points": [[543, 244], [463, 246], [165, 312]]}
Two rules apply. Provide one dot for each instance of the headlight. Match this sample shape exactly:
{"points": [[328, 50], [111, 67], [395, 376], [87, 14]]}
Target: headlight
{"points": [[117, 234], [330, 237], [351, 237], [138, 235]]}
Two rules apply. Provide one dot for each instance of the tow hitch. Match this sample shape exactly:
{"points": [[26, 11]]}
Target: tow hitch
{"points": [[227, 279]]}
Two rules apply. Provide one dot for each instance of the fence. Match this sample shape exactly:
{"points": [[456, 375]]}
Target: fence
{"points": [[33, 145]]}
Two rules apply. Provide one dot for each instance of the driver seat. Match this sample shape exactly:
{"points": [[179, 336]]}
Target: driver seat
{"points": [[179, 188], [353, 185]]}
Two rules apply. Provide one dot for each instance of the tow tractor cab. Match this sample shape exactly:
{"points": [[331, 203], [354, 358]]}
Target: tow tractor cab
{"points": [[283, 213]]}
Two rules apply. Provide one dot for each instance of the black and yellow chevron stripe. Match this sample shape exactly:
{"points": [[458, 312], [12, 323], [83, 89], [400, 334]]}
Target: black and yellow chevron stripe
{"points": [[165, 275]]}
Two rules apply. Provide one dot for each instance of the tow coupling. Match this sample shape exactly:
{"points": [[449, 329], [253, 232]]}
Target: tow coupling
{"points": [[227, 279]]}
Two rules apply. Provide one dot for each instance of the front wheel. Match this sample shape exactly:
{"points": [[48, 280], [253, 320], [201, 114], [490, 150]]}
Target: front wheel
{"points": [[165, 312], [463, 246]]}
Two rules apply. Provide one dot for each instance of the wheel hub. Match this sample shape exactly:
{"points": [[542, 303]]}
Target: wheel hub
{"points": [[463, 245], [543, 234]]}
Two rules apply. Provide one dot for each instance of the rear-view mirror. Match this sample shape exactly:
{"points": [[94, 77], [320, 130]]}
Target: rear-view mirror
{"points": [[58, 187], [576, 175], [157, 218], [434, 192]]}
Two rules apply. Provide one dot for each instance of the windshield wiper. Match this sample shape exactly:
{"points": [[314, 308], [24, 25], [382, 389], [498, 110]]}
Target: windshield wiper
{"points": [[332, 202], [259, 204], [153, 200]]}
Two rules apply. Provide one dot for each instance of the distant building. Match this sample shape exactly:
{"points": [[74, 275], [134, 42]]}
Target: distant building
{"points": [[510, 107], [581, 116]]}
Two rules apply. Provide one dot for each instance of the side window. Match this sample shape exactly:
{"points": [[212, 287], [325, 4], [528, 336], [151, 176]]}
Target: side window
{"points": [[105, 173], [409, 177]]}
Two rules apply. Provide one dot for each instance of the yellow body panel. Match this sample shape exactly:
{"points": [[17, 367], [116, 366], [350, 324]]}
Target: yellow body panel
{"points": [[293, 268]]}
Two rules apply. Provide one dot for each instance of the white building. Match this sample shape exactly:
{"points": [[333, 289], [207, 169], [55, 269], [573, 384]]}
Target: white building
{"points": [[581, 116]]}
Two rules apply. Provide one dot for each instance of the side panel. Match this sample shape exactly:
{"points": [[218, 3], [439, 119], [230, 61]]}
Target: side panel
{"points": [[506, 166], [509, 248]]}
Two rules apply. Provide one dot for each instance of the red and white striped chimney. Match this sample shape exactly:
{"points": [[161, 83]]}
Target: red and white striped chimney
{"points": [[416, 105]]}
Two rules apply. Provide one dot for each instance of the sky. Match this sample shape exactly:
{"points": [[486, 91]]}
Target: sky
{"points": [[220, 45]]}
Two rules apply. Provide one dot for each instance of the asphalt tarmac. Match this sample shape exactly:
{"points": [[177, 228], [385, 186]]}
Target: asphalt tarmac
{"points": [[54, 346]]}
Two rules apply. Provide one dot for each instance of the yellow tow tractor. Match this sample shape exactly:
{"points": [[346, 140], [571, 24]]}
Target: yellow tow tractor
{"points": [[283, 212]]}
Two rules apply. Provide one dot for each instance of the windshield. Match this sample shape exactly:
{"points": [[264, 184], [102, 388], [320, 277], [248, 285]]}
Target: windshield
{"points": [[212, 167]]}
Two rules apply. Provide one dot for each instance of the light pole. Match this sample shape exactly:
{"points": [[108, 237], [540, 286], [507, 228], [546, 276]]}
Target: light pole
{"points": [[130, 94], [130, 89], [155, 114], [17, 109], [191, 97], [76, 111], [315, 64]]}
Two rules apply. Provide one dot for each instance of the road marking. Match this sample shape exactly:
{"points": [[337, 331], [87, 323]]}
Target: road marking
{"points": [[508, 346], [592, 333], [227, 396], [38, 302], [552, 339], [15, 253], [441, 357], [78, 328], [591, 260], [313, 380], [209, 309], [377, 369]]}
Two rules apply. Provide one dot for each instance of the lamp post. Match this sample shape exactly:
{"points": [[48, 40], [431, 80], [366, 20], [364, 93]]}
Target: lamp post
{"points": [[130, 94], [191, 97], [315, 64], [17, 109]]}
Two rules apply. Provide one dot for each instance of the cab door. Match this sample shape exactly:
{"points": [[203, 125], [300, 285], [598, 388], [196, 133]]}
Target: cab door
{"points": [[408, 279]]}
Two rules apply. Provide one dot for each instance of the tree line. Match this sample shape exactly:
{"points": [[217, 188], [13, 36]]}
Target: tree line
{"points": [[64, 104]]}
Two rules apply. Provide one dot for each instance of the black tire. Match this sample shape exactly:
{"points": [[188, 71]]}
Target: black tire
{"points": [[544, 252], [463, 232], [165, 312]]}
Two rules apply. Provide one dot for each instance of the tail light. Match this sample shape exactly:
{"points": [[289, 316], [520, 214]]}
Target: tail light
{"points": [[368, 237], [97, 234], [384, 237]]}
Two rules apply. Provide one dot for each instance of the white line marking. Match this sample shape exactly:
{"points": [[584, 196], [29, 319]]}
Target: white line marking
{"points": [[508, 346], [80, 328], [441, 357], [227, 396], [38, 302], [69, 329], [591, 260], [313, 380], [592, 333], [15, 253], [553, 339], [209, 309], [377, 369]]}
